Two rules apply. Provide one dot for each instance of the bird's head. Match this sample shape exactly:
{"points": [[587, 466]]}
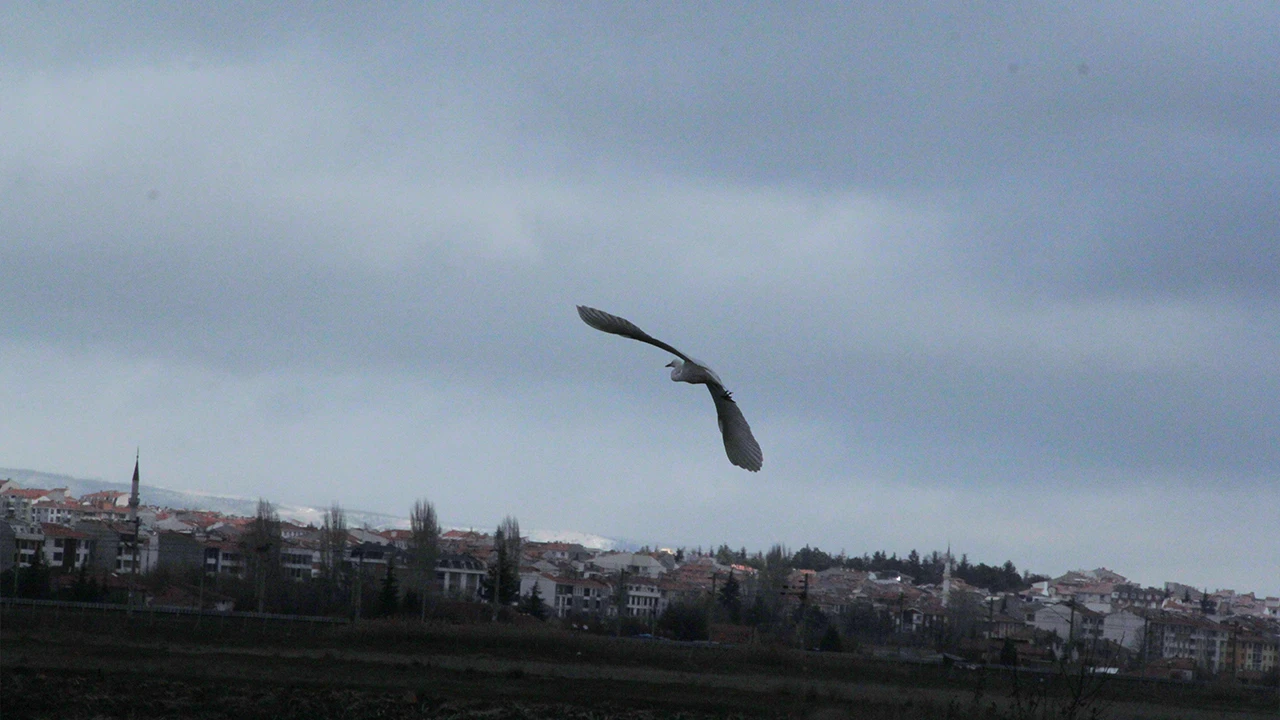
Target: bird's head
{"points": [[675, 366]]}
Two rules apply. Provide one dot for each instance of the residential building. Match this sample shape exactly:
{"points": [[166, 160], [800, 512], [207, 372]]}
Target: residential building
{"points": [[112, 544], [300, 559], [1068, 620], [1003, 625], [19, 501], [643, 597], [59, 512], [1126, 627], [171, 522], [672, 589], [27, 541], [177, 551], [400, 538], [459, 575], [63, 547], [1094, 596], [1187, 636], [635, 564], [8, 546], [566, 596], [224, 557], [1132, 595], [1253, 646], [562, 551], [294, 531]]}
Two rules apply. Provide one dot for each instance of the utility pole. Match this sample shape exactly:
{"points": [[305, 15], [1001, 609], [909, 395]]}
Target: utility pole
{"points": [[200, 602], [622, 600], [1071, 629], [804, 615], [359, 588]]}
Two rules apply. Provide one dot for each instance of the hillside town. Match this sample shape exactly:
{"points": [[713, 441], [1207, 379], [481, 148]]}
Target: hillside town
{"points": [[107, 547]]}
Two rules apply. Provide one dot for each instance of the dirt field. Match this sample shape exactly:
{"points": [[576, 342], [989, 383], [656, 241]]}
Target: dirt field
{"points": [[398, 671]]}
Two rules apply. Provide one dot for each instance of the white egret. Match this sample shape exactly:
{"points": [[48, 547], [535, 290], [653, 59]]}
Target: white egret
{"points": [[739, 444]]}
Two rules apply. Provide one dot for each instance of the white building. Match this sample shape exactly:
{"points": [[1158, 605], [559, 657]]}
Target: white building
{"points": [[459, 575], [643, 598], [570, 595], [300, 562], [635, 564], [1127, 627], [1066, 620], [56, 512]]}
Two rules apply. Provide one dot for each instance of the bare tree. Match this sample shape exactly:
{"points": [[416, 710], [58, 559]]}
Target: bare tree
{"points": [[426, 547], [261, 546], [333, 545]]}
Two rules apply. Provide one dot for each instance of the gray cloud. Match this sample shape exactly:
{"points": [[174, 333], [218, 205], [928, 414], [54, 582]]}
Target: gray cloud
{"points": [[944, 257]]}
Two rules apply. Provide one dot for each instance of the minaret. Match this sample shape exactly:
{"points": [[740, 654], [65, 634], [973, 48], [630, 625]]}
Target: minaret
{"points": [[133, 495], [946, 578], [133, 512]]}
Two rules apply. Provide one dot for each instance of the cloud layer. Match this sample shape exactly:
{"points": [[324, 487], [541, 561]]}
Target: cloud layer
{"points": [[1000, 278]]}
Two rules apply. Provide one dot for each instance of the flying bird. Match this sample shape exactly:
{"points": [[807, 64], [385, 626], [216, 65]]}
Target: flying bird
{"points": [[739, 444]]}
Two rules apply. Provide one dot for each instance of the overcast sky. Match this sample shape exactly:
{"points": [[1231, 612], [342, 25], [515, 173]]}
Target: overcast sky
{"points": [[1004, 276]]}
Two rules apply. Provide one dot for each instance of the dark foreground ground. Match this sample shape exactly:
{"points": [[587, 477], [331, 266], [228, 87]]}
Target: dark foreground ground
{"points": [[87, 670]]}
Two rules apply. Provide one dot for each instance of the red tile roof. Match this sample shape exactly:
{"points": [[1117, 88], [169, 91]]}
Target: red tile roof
{"points": [[61, 531], [30, 493]]}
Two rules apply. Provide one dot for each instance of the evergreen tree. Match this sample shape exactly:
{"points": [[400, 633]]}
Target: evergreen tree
{"points": [[730, 598], [724, 555], [913, 567], [510, 588], [389, 596], [533, 605], [501, 584], [34, 579], [1009, 653], [684, 621], [811, 558], [410, 602], [758, 614], [830, 641], [492, 581], [82, 591]]}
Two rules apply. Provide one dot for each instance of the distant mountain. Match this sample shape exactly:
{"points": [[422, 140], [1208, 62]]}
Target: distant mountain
{"points": [[184, 500]]}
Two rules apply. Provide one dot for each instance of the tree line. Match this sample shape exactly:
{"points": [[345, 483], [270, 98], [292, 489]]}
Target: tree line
{"points": [[926, 569], [344, 581]]}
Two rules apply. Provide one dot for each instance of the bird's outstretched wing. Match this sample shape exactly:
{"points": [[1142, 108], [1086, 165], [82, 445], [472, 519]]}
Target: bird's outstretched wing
{"points": [[605, 322], [739, 444]]}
